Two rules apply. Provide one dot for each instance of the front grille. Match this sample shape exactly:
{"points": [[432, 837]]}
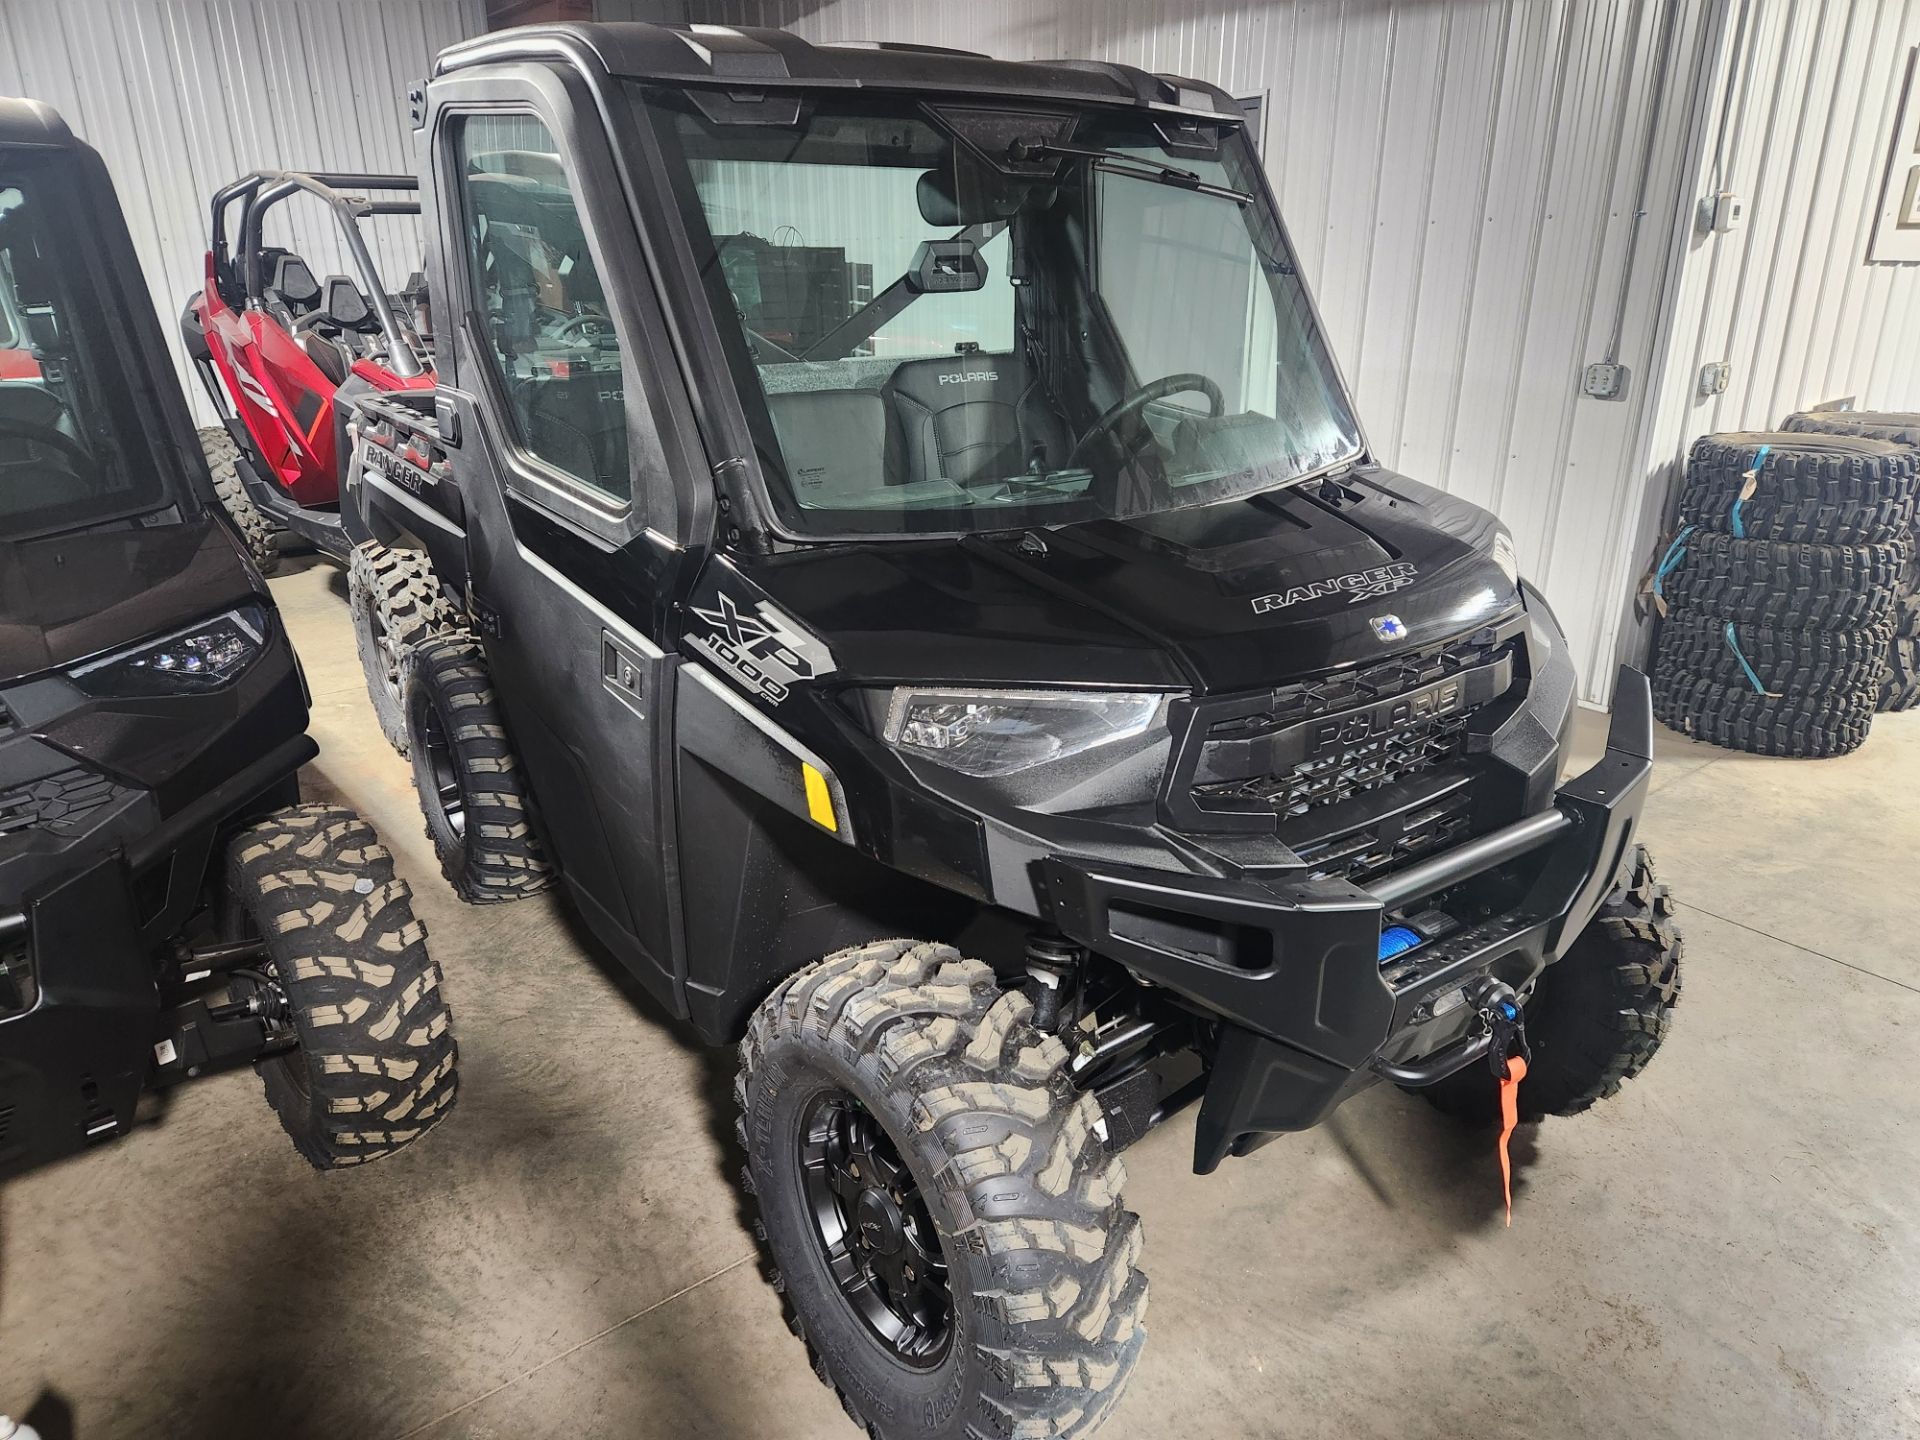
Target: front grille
{"points": [[1393, 841], [59, 802], [1358, 772], [1344, 773]]}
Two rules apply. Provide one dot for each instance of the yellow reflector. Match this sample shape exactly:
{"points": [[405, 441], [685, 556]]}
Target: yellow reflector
{"points": [[819, 799]]}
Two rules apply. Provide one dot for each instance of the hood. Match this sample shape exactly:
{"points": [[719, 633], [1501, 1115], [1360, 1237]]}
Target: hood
{"points": [[1226, 597], [65, 597]]}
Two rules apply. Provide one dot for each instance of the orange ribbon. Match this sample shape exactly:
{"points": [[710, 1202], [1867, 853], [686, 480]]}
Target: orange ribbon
{"points": [[1509, 1117]]}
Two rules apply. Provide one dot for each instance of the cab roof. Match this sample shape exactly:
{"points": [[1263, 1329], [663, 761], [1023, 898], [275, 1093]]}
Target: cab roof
{"points": [[32, 122], [756, 57]]}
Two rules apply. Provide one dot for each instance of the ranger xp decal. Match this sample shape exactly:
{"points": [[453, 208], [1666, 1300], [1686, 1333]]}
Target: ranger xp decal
{"points": [[1361, 585], [760, 647]]}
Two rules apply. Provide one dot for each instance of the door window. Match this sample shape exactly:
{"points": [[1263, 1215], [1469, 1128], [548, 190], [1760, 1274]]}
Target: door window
{"points": [[542, 306]]}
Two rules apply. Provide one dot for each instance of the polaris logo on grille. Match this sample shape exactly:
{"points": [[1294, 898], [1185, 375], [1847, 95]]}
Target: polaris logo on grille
{"points": [[963, 377], [1343, 732], [1360, 585]]}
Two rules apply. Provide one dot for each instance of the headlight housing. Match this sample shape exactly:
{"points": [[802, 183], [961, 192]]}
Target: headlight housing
{"points": [[1505, 556], [990, 733], [19, 987], [203, 656]]}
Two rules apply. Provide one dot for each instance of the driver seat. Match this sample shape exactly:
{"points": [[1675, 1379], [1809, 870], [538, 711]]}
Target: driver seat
{"points": [[290, 291], [967, 418]]}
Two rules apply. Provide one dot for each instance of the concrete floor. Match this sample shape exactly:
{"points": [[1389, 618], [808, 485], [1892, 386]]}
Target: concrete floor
{"points": [[1732, 1248]]}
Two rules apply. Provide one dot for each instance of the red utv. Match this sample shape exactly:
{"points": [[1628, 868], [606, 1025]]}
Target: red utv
{"points": [[17, 360], [279, 349]]}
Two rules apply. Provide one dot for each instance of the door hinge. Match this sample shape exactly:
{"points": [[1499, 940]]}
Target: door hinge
{"points": [[446, 419], [487, 620]]}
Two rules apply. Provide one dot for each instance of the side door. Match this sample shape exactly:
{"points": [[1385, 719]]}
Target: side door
{"points": [[576, 451]]}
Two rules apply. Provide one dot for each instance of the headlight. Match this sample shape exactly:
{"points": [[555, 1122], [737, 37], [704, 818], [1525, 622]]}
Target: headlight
{"points": [[204, 656], [998, 732]]}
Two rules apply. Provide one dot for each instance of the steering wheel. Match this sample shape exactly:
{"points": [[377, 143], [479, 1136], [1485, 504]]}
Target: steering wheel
{"points": [[586, 326], [1131, 407], [81, 460]]}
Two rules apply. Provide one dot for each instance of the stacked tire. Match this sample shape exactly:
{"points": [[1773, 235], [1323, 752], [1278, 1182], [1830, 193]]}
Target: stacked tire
{"points": [[1900, 689], [1780, 591]]}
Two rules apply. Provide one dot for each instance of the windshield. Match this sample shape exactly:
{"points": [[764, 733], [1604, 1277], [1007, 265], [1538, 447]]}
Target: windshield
{"points": [[63, 395], [951, 321]]}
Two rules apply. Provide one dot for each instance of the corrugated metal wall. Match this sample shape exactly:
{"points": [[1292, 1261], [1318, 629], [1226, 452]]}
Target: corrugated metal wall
{"points": [[1460, 179], [181, 96], [1790, 299], [1804, 101]]}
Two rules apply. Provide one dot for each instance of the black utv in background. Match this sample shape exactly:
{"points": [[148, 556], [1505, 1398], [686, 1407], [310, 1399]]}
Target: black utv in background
{"points": [[168, 908], [911, 567]]}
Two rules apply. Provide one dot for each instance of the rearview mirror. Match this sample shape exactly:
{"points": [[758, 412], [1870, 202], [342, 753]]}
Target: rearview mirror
{"points": [[970, 194]]}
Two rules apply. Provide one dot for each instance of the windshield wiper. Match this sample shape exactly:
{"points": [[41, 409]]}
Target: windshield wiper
{"points": [[1121, 163]]}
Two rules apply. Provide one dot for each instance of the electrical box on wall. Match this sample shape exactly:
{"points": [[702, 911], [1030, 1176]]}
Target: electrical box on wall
{"points": [[1729, 211], [1605, 380], [1896, 229]]}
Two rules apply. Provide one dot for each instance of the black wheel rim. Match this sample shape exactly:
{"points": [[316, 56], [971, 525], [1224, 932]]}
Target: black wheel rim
{"points": [[874, 1230], [388, 652], [446, 776]]}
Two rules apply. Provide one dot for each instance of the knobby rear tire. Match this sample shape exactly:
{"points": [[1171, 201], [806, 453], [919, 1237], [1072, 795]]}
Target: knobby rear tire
{"points": [[259, 534], [462, 756], [397, 603]]}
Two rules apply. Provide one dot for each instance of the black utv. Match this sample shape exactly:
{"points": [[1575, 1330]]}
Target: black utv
{"points": [[168, 907], [918, 580]]}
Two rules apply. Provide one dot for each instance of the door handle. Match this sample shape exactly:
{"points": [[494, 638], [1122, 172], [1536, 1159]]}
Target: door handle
{"points": [[623, 673]]}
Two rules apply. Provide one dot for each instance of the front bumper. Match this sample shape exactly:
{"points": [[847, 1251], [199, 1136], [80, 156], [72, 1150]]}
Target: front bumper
{"points": [[77, 1048], [73, 1062], [1312, 1017]]}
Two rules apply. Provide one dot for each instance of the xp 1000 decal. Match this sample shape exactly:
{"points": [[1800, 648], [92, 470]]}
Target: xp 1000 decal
{"points": [[757, 644]]}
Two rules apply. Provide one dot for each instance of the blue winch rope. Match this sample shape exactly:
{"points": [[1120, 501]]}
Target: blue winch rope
{"points": [[1397, 940], [1738, 525], [1734, 645], [1672, 558]]}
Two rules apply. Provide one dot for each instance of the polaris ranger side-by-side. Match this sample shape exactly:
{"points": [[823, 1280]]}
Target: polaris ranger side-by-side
{"points": [[168, 907], [926, 593]]}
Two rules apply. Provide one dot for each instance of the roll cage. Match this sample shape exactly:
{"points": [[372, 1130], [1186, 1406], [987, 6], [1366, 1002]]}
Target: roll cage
{"points": [[349, 197]]}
